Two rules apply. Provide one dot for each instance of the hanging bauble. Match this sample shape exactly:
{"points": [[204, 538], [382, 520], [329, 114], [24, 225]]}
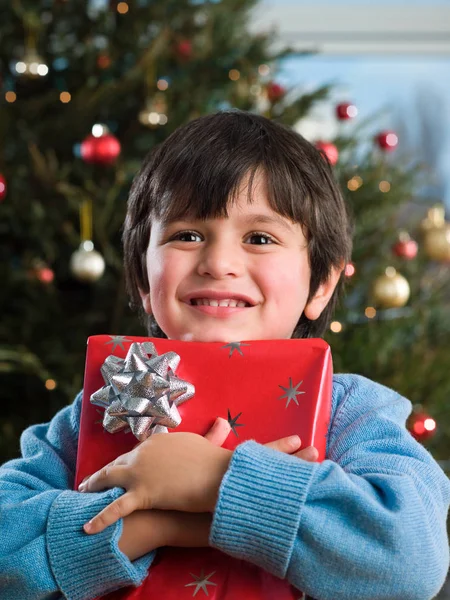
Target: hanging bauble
{"points": [[391, 290], [349, 270], [435, 218], [41, 271], [100, 147], [436, 243], [329, 149], [103, 60], [155, 112], [2, 187], [183, 49], [436, 234], [86, 264], [405, 247], [345, 111], [421, 425], [275, 91], [387, 140], [44, 274], [31, 65]]}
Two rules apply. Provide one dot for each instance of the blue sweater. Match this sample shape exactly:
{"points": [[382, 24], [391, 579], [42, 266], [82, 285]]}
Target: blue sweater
{"points": [[367, 523]]}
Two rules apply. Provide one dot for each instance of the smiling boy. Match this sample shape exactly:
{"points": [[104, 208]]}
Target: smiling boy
{"points": [[235, 208]]}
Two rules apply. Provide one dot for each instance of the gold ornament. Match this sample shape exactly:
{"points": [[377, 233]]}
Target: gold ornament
{"points": [[391, 290], [436, 234], [435, 218], [155, 112], [86, 264]]}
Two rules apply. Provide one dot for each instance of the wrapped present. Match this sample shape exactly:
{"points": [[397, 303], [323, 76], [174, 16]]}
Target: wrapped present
{"points": [[135, 387]]}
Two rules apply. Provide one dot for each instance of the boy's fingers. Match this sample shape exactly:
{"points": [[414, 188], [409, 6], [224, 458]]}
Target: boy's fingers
{"points": [[218, 432], [108, 477], [288, 445], [310, 454], [118, 509]]}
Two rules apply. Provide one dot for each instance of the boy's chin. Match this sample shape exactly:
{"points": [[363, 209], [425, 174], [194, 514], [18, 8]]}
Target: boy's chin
{"points": [[208, 337]]}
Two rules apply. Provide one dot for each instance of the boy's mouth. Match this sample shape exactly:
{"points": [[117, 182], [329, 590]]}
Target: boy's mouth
{"points": [[219, 299], [227, 302]]}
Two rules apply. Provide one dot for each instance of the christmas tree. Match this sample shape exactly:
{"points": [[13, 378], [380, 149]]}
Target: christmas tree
{"points": [[86, 92]]}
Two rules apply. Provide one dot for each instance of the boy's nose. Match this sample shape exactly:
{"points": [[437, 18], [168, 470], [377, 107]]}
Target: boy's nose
{"points": [[220, 260]]}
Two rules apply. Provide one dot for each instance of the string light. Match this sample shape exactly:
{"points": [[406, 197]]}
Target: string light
{"points": [[354, 183], [384, 186], [65, 97], [162, 84], [122, 8], [336, 326], [263, 70], [50, 384], [98, 130], [10, 97], [370, 312], [234, 75]]}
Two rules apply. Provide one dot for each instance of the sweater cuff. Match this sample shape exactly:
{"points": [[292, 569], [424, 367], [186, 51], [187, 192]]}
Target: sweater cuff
{"points": [[257, 515], [86, 566]]}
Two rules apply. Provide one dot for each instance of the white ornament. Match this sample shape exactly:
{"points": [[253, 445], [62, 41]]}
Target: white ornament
{"points": [[86, 264]]}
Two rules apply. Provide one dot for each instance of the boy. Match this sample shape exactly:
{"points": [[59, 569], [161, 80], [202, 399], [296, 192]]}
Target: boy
{"points": [[235, 230]]}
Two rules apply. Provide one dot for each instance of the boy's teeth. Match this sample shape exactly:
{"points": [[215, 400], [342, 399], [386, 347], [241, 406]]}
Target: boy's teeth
{"points": [[212, 302]]}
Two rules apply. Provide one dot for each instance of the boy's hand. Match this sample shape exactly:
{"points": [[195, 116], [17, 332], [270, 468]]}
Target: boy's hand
{"points": [[176, 471]]}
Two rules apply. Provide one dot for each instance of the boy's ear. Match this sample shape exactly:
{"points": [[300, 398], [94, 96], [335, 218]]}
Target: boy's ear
{"points": [[318, 302], [145, 299]]}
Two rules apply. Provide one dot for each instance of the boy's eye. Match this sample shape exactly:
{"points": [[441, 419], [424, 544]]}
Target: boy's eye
{"points": [[260, 239], [187, 236]]}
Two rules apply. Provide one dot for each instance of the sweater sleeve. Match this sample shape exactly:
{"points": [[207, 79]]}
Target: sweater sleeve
{"points": [[43, 550], [368, 523]]}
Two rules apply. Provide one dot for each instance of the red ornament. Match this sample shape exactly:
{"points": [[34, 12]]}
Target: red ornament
{"points": [[2, 187], [45, 274], [103, 61], [405, 247], [101, 150], [275, 91], [184, 49], [349, 269], [387, 140], [345, 111], [330, 151], [422, 426]]}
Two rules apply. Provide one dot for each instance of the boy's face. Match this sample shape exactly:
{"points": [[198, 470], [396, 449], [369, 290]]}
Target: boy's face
{"points": [[254, 257]]}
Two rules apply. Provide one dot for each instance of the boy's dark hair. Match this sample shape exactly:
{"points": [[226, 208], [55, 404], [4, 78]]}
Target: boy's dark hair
{"points": [[197, 171]]}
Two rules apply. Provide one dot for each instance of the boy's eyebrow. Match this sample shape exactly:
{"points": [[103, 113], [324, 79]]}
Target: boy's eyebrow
{"points": [[267, 220], [249, 220]]}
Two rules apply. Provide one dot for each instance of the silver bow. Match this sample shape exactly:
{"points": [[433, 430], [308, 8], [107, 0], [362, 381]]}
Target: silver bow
{"points": [[142, 391]]}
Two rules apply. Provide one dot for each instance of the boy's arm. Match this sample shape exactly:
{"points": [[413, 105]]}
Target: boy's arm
{"points": [[43, 548], [369, 523], [145, 530]]}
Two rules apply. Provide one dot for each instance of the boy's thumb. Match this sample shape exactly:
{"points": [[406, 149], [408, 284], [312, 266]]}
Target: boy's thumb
{"points": [[218, 432]]}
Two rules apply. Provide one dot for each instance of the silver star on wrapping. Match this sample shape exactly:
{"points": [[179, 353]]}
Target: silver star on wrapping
{"points": [[235, 346], [201, 581], [117, 340], [291, 392], [142, 391]]}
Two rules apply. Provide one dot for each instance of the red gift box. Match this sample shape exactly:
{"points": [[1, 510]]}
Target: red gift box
{"points": [[267, 390]]}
